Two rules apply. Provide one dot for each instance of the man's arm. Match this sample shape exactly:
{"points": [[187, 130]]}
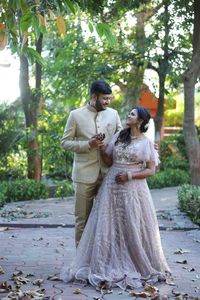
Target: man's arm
{"points": [[69, 140]]}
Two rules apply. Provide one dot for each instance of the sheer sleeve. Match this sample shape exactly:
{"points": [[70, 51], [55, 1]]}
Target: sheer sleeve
{"points": [[150, 153], [111, 144]]}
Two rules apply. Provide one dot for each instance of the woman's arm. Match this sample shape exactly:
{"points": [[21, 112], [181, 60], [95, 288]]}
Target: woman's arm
{"points": [[123, 177], [105, 156]]}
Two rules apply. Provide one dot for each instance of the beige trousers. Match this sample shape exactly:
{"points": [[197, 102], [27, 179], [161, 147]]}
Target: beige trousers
{"points": [[84, 196]]}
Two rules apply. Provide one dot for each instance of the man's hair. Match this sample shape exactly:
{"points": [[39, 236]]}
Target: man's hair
{"points": [[100, 87]]}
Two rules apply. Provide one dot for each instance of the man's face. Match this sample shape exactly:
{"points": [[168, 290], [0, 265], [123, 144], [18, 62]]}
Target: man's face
{"points": [[102, 101]]}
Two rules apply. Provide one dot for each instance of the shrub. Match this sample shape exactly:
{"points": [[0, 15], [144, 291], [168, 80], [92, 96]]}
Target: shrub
{"points": [[20, 190], [168, 177], [189, 199], [3, 192], [64, 189], [173, 153]]}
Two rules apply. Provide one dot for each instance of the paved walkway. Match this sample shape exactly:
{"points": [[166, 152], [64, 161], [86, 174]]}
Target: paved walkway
{"points": [[37, 237]]}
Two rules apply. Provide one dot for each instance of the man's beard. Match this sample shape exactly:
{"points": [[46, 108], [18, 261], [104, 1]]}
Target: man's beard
{"points": [[99, 106]]}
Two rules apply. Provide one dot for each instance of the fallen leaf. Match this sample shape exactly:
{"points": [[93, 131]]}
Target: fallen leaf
{"points": [[189, 269], [197, 241], [3, 258], [1, 271], [181, 251], [179, 295], [16, 294], [29, 275], [25, 298], [170, 282], [38, 282], [18, 273], [77, 291], [12, 236], [108, 292], [181, 261], [175, 293], [103, 286], [36, 293], [140, 294], [53, 278], [4, 229], [38, 239], [20, 279], [151, 289], [5, 287]]}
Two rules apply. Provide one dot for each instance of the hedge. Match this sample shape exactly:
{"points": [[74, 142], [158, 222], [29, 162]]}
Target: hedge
{"points": [[189, 199]]}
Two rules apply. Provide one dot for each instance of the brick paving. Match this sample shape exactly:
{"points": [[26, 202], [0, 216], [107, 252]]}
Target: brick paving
{"points": [[42, 251]]}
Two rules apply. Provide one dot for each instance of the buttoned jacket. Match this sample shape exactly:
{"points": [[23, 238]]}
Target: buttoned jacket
{"points": [[82, 124]]}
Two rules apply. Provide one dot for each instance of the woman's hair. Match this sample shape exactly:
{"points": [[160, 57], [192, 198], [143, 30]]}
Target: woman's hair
{"points": [[125, 134]]}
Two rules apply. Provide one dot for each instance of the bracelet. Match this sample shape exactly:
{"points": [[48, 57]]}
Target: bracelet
{"points": [[129, 174]]}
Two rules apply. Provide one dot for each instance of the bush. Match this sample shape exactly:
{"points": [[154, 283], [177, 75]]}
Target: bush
{"points": [[64, 189], [20, 190], [3, 192], [173, 153], [189, 199], [167, 178]]}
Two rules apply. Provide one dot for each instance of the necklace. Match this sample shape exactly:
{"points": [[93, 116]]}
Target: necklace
{"points": [[135, 137]]}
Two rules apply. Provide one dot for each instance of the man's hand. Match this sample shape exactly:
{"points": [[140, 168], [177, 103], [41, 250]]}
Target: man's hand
{"points": [[121, 178], [156, 146], [95, 143], [97, 140], [99, 136]]}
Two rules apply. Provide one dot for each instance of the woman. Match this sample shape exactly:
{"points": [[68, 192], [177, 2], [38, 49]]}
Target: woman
{"points": [[121, 241]]}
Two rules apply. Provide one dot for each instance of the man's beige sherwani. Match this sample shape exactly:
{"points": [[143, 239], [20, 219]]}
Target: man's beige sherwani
{"points": [[82, 124]]}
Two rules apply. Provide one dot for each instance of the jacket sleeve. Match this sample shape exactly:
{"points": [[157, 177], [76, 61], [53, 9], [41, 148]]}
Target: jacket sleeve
{"points": [[70, 141]]}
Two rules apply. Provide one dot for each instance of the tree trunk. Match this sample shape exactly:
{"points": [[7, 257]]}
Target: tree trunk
{"points": [[136, 74], [190, 132], [160, 110], [162, 73], [190, 79], [30, 107]]}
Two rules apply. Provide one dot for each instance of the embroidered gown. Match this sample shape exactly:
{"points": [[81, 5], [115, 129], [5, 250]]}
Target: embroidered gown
{"points": [[121, 241]]}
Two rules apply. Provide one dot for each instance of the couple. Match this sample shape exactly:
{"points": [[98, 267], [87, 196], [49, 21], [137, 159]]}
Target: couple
{"points": [[120, 244]]}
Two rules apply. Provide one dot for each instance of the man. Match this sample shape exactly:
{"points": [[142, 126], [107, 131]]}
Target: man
{"points": [[81, 136]]}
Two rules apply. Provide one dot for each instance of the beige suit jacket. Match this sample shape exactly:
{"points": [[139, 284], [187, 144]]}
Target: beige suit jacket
{"points": [[82, 124]]}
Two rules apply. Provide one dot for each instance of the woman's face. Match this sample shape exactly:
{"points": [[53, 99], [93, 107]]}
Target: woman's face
{"points": [[133, 118]]}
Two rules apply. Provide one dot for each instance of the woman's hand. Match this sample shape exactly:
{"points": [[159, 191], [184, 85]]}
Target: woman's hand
{"points": [[121, 178]]}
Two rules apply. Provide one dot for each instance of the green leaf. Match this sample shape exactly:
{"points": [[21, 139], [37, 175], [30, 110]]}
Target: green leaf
{"points": [[23, 5], [26, 21], [36, 25], [71, 6], [33, 55], [99, 29], [90, 26], [103, 29]]}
